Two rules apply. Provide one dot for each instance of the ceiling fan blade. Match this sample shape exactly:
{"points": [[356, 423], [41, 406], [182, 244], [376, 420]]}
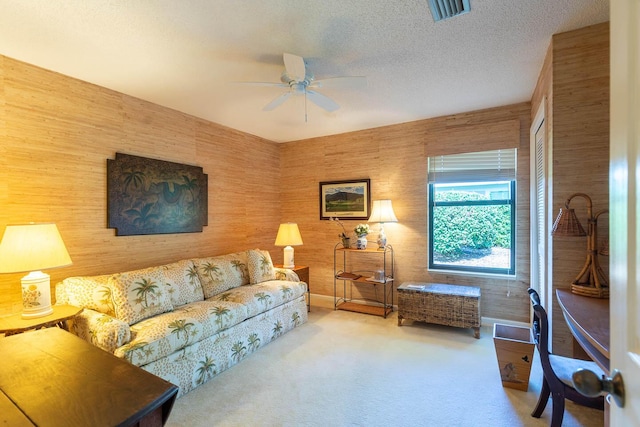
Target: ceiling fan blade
{"points": [[322, 101], [262, 84], [277, 101], [295, 67], [347, 82]]}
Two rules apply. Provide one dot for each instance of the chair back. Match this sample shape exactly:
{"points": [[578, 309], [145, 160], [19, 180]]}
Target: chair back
{"points": [[540, 328]]}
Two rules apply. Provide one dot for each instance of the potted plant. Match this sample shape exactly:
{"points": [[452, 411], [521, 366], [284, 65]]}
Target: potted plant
{"points": [[361, 231], [346, 240]]}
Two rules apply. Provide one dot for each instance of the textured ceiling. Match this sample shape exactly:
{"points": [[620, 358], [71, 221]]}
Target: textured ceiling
{"points": [[187, 55]]}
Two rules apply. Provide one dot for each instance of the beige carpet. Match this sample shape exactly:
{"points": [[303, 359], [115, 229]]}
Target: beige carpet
{"points": [[349, 369]]}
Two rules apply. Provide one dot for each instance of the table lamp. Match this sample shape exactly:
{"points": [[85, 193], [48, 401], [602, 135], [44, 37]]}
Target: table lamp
{"points": [[288, 236], [31, 248], [591, 281], [381, 212]]}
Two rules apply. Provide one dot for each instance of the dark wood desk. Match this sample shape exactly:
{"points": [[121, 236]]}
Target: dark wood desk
{"points": [[50, 377], [588, 320]]}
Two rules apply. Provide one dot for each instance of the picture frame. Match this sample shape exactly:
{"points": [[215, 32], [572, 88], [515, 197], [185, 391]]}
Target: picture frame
{"points": [[345, 199], [150, 196]]}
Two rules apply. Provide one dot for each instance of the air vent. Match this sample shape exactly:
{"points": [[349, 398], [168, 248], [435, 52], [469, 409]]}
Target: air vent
{"points": [[443, 9]]}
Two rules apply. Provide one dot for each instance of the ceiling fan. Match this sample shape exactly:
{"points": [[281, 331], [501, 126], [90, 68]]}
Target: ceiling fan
{"points": [[298, 80]]}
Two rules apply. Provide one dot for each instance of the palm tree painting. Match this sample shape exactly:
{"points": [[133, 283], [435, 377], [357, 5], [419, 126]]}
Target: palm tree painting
{"points": [[253, 341], [106, 297], [295, 318], [145, 288], [140, 350], [182, 327], [220, 312], [206, 370], [192, 276], [264, 298], [238, 351], [265, 264], [286, 292], [277, 329], [148, 196], [213, 271], [241, 268]]}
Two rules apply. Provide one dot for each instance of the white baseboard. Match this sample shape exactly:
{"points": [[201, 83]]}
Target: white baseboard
{"points": [[326, 301]]}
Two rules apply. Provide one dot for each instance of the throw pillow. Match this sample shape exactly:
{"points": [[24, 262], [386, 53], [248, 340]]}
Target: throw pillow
{"points": [[139, 294], [183, 283], [220, 273], [260, 266], [90, 292]]}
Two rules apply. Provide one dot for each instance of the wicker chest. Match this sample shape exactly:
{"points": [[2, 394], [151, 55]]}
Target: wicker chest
{"points": [[442, 304]]}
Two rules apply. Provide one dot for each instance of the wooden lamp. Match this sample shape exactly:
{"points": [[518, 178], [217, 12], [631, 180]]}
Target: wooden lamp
{"points": [[591, 281]]}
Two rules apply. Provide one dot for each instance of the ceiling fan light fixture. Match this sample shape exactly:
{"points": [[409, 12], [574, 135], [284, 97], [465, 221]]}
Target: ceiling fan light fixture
{"points": [[443, 9]]}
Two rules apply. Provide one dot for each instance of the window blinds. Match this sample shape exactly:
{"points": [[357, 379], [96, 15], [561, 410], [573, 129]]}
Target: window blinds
{"points": [[495, 165]]}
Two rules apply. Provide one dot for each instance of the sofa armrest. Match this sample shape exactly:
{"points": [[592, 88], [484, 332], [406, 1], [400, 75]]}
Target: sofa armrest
{"points": [[101, 330], [286, 274]]}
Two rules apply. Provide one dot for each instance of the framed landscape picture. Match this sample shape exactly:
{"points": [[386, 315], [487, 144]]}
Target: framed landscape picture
{"points": [[345, 199]]}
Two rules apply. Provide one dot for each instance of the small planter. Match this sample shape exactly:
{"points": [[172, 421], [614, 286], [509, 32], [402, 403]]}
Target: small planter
{"points": [[514, 350], [346, 242]]}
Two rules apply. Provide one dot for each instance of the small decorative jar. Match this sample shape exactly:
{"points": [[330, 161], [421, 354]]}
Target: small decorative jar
{"points": [[346, 242], [361, 243]]}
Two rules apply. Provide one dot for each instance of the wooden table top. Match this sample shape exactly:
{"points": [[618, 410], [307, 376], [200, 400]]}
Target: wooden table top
{"points": [[56, 379], [588, 320], [15, 323]]}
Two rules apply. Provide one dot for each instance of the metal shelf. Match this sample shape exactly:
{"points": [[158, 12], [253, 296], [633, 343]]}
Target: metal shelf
{"points": [[346, 300]]}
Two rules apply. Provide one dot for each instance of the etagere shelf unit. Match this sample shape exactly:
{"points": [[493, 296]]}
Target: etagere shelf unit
{"points": [[347, 275]]}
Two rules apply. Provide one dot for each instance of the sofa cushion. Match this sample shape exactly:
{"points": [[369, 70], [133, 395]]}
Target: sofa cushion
{"points": [[183, 283], [90, 292], [139, 294], [260, 266], [217, 274], [161, 335], [263, 296]]}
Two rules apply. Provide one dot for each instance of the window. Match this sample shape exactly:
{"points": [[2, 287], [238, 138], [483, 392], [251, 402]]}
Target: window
{"points": [[472, 212]]}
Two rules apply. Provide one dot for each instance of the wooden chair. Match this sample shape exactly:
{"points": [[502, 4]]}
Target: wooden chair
{"points": [[557, 371]]}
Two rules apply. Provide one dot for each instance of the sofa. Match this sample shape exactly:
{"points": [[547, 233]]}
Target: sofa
{"points": [[189, 320]]}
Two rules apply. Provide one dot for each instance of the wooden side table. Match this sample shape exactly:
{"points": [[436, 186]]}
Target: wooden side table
{"points": [[303, 273], [15, 324], [55, 378]]}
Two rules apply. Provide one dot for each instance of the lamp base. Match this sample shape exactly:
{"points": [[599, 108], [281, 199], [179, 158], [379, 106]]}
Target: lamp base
{"points": [[590, 291], [382, 238], [36, 295], [288, 257]]}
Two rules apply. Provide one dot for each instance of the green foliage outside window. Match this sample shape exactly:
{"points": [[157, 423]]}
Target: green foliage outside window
{"points": [[467, 230]]}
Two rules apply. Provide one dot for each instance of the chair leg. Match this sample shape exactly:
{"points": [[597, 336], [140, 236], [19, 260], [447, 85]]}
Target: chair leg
{"points": [[542, 400], [557, 400]]}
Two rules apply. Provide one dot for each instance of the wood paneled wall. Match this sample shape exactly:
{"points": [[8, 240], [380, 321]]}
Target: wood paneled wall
{"points": [[575, 82], [394, 158], [56, 135]]}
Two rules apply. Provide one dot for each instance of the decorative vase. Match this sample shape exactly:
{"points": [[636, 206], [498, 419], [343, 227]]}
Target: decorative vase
{"points": [[346, 242], [361, 243]]}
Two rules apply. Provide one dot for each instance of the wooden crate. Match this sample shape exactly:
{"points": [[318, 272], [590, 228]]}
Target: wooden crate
{"points": [[442, 304], [514, 350]]}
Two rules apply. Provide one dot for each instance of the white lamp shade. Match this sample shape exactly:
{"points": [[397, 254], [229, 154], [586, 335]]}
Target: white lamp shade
{"points": [[382, 211], [288, 235], [32, 247]]}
